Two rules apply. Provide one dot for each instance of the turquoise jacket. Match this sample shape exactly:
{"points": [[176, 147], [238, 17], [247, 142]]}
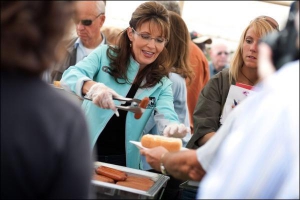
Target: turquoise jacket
{"points": [[94, 67]]}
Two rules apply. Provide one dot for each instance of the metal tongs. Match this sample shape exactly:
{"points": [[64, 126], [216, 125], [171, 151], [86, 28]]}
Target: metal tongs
{"points": [[134, 107]]}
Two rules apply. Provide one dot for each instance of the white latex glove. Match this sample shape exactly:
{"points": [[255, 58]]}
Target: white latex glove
{"points": [[102, 97], [176, 130]]}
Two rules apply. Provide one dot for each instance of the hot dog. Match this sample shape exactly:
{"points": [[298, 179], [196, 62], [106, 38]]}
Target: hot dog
{"points": [[143, 104], [134, 185], [171, 144], [103, 178], [115, 174], [142, 180]]}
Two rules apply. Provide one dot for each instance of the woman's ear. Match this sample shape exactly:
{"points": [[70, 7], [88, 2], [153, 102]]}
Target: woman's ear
{"points": [[130, 33]]}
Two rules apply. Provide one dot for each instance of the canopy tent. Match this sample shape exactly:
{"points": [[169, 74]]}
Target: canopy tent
{"points": [[216, 19], [228, 19]]}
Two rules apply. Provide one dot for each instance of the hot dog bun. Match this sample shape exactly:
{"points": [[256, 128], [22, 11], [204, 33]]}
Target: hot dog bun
{"points": [[171, 144]]}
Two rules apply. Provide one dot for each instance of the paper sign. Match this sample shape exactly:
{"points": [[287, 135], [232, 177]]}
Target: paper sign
{"points": [[235, 96]]}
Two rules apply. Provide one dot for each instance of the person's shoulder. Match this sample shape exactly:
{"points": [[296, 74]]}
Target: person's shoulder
{"points": [[177, 79], [68, 42], [290, 68], [224, 73], [221, 79], [175, 76], [286, 76], [101, 51], [102, 47], [58, 100], [194, 49], [165, 81]]}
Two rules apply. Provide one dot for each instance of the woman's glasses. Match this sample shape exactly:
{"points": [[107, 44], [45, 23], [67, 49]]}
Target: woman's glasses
{"points": [[147, 38], [86, 22]]}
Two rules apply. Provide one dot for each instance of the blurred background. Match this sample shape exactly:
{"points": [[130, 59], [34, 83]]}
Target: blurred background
{"points": [[216, 19]]}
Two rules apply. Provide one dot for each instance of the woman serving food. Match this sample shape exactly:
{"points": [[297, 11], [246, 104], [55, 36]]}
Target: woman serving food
{"points": [[134, 68]]}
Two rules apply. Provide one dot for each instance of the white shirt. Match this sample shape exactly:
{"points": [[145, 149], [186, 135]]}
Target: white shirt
{"points": [[82, 51], [255, 154]]}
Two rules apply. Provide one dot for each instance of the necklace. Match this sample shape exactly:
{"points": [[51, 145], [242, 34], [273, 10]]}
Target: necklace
{"points": [[246, 77]]}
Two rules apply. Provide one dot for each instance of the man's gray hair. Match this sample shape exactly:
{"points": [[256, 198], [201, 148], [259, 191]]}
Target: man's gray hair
{"points": [[171, 6], [100, 6]]}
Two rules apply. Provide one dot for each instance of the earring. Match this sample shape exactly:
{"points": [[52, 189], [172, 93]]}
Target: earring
{"points": [[130, 45]]}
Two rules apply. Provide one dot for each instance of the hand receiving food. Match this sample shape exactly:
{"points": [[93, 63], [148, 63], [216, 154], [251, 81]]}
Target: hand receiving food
{"points": [[103, 96], [176, 130], [153, 156]]}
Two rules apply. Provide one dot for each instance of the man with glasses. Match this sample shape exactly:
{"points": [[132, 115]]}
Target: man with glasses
{"points": [[88, 20], [219, 54]]}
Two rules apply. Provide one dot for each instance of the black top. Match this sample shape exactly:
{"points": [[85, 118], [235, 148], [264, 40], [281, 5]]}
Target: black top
{"points": [[45, 147], [112, 139]]}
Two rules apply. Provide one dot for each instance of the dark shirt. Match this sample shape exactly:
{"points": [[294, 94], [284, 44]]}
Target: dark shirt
{"points": [[45, 148], [112, 139], [213, 71]]}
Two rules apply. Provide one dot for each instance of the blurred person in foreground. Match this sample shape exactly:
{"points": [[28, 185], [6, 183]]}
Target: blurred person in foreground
{"points": [[253, 155], [134, 68], [45, 149], [199, 64], [243, 69], [88, 20]]}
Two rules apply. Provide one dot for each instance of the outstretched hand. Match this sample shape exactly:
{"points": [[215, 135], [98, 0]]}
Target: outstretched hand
{"points": [[153, 156], [102, 96], [176, 130]]}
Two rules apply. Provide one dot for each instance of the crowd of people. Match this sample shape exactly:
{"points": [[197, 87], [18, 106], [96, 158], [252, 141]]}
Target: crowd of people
{"points": [[49, 143]]}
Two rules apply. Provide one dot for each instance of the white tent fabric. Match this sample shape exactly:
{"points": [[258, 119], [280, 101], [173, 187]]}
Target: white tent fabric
{"points": [[217, 19]]}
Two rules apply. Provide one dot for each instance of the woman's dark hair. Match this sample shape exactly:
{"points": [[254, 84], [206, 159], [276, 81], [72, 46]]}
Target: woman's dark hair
{"points": [[30, 32], [120, 55], [178, 47]]}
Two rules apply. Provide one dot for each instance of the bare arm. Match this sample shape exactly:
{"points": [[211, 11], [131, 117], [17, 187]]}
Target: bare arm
{"points": [[182, 165]]}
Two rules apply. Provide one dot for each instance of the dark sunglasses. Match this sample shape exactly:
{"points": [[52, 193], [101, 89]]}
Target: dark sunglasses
{"points": [[86, 22], [222, 52]]}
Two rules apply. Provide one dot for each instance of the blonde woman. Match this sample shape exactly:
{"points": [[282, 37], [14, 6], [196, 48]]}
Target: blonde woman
{"points": [[243, 69]]}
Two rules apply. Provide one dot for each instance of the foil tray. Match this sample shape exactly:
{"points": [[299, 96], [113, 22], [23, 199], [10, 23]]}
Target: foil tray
{"points": [[112, 191]]}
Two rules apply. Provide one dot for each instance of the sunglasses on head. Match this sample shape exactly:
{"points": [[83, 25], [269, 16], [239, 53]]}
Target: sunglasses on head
{"points": [[86, 22]]}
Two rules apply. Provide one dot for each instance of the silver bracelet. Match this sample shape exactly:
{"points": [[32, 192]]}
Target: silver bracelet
{"points": [[162, 167]]}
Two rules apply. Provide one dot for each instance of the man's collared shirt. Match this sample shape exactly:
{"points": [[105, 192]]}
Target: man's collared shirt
{"points": [[213, 71], [82, 51]]}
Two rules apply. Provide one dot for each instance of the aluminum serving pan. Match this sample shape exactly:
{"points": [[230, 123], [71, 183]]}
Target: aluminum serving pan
{"points": [[113, 191]]}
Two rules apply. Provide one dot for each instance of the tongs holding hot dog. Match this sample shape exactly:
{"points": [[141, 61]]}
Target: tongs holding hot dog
{"points": [[135, 107]]}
